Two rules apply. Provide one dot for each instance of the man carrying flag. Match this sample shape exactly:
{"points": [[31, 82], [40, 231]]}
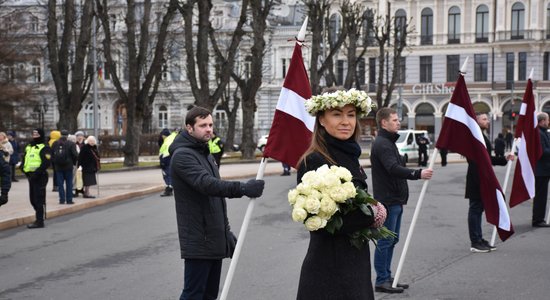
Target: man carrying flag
{"points": [[542, 173], [462, 133]]}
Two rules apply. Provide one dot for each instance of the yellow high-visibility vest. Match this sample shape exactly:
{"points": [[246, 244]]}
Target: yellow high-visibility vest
{"points": [[213, 146], [32, 157], [163, 152]]}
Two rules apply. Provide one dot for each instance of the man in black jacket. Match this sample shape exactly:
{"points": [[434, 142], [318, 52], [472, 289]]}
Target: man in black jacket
{"points": [[542, 173], [389, 182], [201, 210], [473, 192]]}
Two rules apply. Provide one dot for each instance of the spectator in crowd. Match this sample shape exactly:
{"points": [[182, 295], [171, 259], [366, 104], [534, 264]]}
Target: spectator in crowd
{"points": [[286, 169], [201, 210], [5, 181], [35, 162], [5, 147], [443, 153], [509, 137], [78, 183], [88, 159], [423, 144], [64, 158], [54, 136], [500, 145], [14, 158], [216, 147], [542, 174]]}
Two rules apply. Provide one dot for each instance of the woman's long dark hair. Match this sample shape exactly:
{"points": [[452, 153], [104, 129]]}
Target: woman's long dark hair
{"points": [[318, 143]]}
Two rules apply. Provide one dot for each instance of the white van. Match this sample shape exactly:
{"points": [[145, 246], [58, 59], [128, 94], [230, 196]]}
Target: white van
{"points": [[406, 143]]}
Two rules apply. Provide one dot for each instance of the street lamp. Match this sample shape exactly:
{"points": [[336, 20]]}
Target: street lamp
{"points": [[41, 109]]}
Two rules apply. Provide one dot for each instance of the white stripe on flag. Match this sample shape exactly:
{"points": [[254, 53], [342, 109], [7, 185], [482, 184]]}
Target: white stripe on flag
{"points": [[535, 120], [294, 105], [458, 114], [523, 108], [503, 217], [527, 173]]}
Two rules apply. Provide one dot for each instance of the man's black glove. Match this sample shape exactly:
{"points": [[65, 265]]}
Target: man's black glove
{"points": [[253, 188], [3, 198]]}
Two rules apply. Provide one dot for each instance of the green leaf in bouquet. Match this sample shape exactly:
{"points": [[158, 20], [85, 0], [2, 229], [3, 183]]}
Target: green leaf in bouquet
{"points": [[334, 224], [365, 209], [362, 195]]}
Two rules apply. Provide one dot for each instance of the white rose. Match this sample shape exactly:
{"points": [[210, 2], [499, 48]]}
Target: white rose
{"points": [[300, 201], [330, 180], [343, 173], [349, 190], [315, 223], [328, 206], [312, 205], [292, 196], [299, 215]]}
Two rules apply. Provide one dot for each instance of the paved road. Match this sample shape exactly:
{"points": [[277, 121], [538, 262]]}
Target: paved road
{"points": [[129, 250]]}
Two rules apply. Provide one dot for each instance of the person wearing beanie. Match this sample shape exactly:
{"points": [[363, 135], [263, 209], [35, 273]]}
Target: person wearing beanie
{"points": [[164, 157], [35, 162], [14, 158], [78, 182], [64, 158], [54, 136]]}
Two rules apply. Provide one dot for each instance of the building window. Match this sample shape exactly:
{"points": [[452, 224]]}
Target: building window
{"points": [[220, 119], [402, 70], [522, 66], [426, 33], [518, 21], [340, 72], [548, 21], [546, 61], [425, 69], [368, 28], [454, 25], [36, 73], [163, 117], [372, 74], [453, 67], [482, 24], [165, 72], [509, 70], [284, 66], [335, 24], [34, 24], [480, 72], [10, 73], [89, 114], [400, 23], [113, 22]]}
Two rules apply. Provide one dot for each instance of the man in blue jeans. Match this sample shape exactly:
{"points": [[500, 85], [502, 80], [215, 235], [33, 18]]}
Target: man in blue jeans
{"points": [[389, 181]]}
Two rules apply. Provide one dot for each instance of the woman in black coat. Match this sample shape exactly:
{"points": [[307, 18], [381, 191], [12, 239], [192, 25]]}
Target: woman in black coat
{"points": [[333, 268], [88, 159]]}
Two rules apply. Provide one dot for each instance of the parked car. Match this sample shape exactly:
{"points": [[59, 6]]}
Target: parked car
{"points": [[261, 142]]}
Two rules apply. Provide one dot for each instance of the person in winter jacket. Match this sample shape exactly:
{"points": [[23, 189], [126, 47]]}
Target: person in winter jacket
{"points": [[201, 210], [88, 159], [389, 182]]}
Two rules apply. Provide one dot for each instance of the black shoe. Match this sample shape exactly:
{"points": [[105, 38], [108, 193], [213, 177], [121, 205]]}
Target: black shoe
{"points": [[387, 288], [14, 180], [168, 191], [492, 248], [287, 173], [541, 224], [401, 285], [88, 196], [70, 202], [480, 247], [61, 202], [36, 224]]}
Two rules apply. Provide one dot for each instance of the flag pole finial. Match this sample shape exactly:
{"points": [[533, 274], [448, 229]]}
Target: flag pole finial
{"points": [[463, 69], [531, 73], [302, 34]]}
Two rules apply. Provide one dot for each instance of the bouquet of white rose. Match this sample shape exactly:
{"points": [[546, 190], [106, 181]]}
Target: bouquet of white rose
{"points": [[326, 194]]}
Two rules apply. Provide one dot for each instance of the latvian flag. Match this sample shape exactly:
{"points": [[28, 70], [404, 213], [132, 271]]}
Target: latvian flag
{"points": [[529, 149], [461, 133], [290, 133]]}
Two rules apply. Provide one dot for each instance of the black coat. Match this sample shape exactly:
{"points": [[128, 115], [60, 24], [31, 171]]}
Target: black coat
{"points": [[88, 158], [389, 174], [543, 164], [473, 190], [201, 210], [333, 268], [72, 154]]}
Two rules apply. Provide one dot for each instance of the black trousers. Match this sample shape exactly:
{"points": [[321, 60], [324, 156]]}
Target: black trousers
{"points": [[202, 279], [37, 193], [539, 202]]}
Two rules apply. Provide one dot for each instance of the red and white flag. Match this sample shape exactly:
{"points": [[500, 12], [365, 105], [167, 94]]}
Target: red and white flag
{"points": [[460, 133], [290, 133], [529, 149]]}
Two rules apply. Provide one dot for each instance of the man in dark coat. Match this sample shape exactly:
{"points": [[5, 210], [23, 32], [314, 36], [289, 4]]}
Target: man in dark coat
{"points": [[389, 182], [500, 145], [201, 210], [542, 174], [473, 192], [423, 143], [64, 158]]}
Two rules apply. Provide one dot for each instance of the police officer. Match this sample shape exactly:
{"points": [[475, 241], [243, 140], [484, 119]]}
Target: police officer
{"points": [[215, 144], [164, 156], [35, 163]]}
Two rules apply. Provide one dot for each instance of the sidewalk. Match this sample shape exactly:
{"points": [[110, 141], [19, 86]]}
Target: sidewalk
{"points": [[122, 185]]}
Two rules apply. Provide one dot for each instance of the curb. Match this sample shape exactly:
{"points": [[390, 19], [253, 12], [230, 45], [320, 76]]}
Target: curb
{"points": [[77, 207]]}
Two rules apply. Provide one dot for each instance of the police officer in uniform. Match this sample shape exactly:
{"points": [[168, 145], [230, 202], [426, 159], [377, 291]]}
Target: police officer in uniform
{"points": [[35, 163], [164, 156], [215, 144]]}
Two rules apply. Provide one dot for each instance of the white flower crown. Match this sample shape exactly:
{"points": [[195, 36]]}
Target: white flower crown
{"points": [[325, 101]]}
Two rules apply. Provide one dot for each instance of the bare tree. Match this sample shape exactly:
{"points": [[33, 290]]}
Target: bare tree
{"points": [[352, 19], [143, 75], [198, 50], [68, 47], [389, 33], [324, 45]]}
